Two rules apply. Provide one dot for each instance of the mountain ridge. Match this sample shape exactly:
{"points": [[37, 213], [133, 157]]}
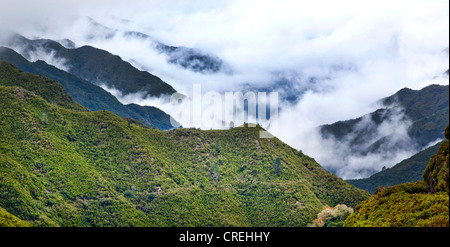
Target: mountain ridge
{"points": [[408, 120], [89, 95], [92, 64], [187, 58]]}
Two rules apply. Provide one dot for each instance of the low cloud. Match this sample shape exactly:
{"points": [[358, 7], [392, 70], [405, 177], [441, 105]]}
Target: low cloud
{"points": [[370, 146], [366, 150], [33, 53]]}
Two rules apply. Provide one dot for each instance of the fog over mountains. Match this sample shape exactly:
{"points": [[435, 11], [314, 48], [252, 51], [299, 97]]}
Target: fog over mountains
{"points": [[407, 122], [330, 66]]}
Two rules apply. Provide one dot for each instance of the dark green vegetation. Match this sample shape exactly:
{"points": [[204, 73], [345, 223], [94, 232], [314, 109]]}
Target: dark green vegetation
{"points": [[96, 65], [408, 170], [87, 94], [436, 174], [61, 166], [424, 203]]}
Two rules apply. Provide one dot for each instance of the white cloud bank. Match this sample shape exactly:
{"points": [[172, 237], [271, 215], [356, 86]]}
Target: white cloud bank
{"points": [[359, 51]]}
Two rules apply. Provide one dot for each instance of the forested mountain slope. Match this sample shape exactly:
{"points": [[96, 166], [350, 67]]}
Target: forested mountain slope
{"points": [[61, 166]]}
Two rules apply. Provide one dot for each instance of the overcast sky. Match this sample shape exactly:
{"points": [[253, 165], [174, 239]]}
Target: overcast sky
{"points": [[403, 39], [360, 50]]}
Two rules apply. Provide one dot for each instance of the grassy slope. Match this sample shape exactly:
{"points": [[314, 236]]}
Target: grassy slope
{"points": [[64, 167]]}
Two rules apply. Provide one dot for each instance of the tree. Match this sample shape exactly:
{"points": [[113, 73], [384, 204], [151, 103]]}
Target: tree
{"points": [[129, 194], [217, 147], [277, 166], [151, 197]]}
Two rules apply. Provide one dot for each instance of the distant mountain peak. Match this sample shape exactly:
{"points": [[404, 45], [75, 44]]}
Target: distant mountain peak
{"points": [[192, 59], [67, 43]]}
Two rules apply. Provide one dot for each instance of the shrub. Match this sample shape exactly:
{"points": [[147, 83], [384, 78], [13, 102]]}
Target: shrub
{"points": [[129, 194], [151, 197], [66, 195], [51, 202]]}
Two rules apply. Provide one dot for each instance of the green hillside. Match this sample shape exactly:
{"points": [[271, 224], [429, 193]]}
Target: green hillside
{"points": [[408, 170], [71, 167], [48, 89], [420, 204], [87, 94], [405, 205]]}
